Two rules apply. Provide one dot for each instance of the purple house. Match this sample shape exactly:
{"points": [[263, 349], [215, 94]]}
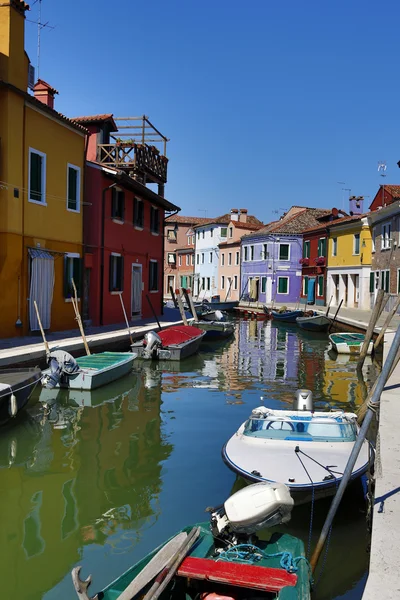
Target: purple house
{"points": [[270, 267]]}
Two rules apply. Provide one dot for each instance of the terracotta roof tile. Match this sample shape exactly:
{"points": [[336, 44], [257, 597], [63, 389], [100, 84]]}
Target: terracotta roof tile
{"points": [[188, 220], [97, 119], [394, 190], [294, 223]]}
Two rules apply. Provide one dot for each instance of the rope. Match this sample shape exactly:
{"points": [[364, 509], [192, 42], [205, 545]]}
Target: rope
{"points": [[374, 406], [34, 383], [326, 467], [312, 502], [250, 554]]}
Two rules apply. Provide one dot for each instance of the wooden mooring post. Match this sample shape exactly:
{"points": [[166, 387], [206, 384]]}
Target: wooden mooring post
{"points": [[387, 322], [380, 303]]}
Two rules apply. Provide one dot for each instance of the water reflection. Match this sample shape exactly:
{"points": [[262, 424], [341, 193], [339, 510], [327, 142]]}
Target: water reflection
{"points": [[99, 478]]}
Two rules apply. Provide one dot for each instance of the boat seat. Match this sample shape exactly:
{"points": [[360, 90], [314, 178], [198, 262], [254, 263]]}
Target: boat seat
{"points": [[299, 437], [251, 576]]}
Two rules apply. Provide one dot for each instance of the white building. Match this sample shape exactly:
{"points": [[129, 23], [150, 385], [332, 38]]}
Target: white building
{"points": [[206, 260]]}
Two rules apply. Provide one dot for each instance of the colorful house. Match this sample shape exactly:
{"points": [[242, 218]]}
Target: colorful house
{"points": [[270, 269], [208, 236], [41, 191], [229, 252], [179, 251], [349, 259], [123, 224]]}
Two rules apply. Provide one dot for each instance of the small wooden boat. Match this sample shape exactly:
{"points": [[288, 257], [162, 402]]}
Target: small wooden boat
{"points": [[216, 329], [349, 343], [223, 558], [175, 343], [287, 316], [87, 372], [16, 387], [305, 449], [314, 322], [216, 304]]}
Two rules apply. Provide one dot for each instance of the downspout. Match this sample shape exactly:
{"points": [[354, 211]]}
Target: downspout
{"points": [[163, 258], [103, 211], [21, 288]]}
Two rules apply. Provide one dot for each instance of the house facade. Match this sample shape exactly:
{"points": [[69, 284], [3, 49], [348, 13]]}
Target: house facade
{"points": [[123, 232], [179, 256], [208, 237], [229, 253], [270, 268], [41, 193]]}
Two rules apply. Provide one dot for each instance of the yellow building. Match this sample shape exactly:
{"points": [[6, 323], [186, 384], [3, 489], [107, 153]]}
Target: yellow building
{"points": [[42, 156], [349, 262]]}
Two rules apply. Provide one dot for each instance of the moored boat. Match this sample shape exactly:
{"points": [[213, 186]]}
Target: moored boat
{"points": [[223, 558], [174, 343], [349, 343], [216, 329], [287, 316], [305, 449], [87, 372], [216, 304], [314, 322], [16, 387]]}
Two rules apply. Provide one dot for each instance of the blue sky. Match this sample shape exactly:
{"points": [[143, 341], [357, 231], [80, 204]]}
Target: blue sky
{"points": [[267, 104]]}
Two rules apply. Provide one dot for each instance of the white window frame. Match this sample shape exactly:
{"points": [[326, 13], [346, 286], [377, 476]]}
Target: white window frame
{"points": [[210, 258], [180, 261], [288, 286], [171, 262], [192, 261], [231, 231], [263, 284], [279, 254], [187, 260], [113, 293], [354, 244], [230, 258], [307, 244], [264, 251], [383, 275], [43, 155], [386, 233], [334, 246], [71, 255], [222, 259], [78, 186], [222, 282]]}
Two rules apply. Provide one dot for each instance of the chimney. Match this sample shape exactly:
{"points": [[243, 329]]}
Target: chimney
{"points": [[356, 205], [234, 214], [44, 93], [243, 215]]}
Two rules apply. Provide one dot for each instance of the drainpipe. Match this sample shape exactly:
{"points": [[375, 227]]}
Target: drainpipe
{"points": [[103, 212], [163, 259]]}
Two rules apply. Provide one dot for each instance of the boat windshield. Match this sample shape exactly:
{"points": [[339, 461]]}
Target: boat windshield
{"points": [[311, 430]]}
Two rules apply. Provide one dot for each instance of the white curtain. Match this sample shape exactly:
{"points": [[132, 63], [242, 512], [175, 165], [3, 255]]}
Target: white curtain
{"points": [[42, 286]]}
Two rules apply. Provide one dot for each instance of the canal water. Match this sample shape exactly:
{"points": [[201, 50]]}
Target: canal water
{"points": [[99, 479]]}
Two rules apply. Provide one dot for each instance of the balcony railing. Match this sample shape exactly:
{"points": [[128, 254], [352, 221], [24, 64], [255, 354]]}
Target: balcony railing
{"points": [[135, 158]]}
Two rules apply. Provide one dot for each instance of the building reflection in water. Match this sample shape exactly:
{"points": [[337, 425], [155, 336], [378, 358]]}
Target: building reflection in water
{"points": [[73, 476]]}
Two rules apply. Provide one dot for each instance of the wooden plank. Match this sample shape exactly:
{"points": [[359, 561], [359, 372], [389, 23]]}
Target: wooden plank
{"points": [[248, 576]]}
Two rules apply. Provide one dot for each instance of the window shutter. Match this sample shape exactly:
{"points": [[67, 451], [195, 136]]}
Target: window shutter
{"points": [[72, 188], [77, 274], [371, 281], [121, 273], [67, 287], [122, 207], [36, 177]]}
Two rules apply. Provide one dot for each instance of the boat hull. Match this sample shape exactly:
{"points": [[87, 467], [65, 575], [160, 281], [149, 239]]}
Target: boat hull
{"points": [[216, 329], [349, 343], [98, 370], [315, 323], [22, 382], [172, 352], [287, 317]]}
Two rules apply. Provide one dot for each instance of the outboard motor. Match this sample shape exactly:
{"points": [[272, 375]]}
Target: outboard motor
{"points": [[152, 343], [60, 363], [303, 400], [255, 507]]}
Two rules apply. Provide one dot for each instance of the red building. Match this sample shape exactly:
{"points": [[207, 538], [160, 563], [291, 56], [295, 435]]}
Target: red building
{"points": [[123, 222]]}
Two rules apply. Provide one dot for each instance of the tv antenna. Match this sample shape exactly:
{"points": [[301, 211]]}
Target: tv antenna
{"points": [[40, 26], [382, 173], [204, 211]]}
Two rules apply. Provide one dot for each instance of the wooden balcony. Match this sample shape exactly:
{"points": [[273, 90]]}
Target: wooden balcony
{"points": [[137, 160]]}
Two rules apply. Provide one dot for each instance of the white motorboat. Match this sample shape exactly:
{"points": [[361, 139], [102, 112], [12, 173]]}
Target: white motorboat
{"points": [[305, 449]]}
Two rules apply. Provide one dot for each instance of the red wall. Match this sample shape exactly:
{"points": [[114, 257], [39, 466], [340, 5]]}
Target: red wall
{"points": [[136, 246], [314, 270]]}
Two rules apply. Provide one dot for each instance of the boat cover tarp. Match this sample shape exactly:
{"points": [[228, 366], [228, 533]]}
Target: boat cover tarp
{"points": [[178, 335]]}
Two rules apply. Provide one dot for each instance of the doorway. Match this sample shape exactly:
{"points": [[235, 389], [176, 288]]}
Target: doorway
{"points": [[136, 295]]}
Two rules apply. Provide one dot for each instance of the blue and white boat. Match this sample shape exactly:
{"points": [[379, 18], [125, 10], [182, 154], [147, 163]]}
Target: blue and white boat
{"points": [[287, 316], [305, 449]]}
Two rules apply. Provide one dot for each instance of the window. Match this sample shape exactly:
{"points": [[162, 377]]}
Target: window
{"points": [[138, 213], [322, 247], [187, 260], [245, 250], [372, 282], [251, 252], [224, 231], [117, 204], [284, 251], [198, 259], [192, 261], [210, 258], [334, 246], [356, 244], [230, 232], [203, 283], [306, 249], [235, 282], [153, 276], [320, 285], [283, 285], [171, 258], [116, 279], [386, 241], [263, 284], [229, 258], [385, 280], [208, 284], [305, 286], [198, 235], [211, 232], [222, 259], [222, 282], [374, 239], [202, 258], [180, 261], [203, 234], [73, 188], [154, 220], [237, 258], [193, 239], [171, 235], [398, 281], [264, 253], [37, 176], [72, 270]]}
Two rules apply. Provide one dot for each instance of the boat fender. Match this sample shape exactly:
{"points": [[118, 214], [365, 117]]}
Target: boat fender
{"points": [[13, 405]]}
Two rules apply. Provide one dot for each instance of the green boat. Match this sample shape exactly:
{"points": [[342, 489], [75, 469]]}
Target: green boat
{"points": [[222, 558], [349, 343]]}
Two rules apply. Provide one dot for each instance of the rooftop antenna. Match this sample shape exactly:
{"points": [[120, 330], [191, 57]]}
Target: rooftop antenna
{"points": [[204, 211], [382, 173], [342, 183], [40, 27]]}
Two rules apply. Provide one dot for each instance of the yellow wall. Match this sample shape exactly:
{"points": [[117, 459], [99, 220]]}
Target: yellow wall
{"points": [[25, 224], [345, 246]]}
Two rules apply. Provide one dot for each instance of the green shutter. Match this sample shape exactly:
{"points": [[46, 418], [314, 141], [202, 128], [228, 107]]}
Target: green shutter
{"points": [[72, 188], [36, 177], [305, 286], [77, 275], [282, 285], [263, 285], [371, 282], [284, 252]]}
